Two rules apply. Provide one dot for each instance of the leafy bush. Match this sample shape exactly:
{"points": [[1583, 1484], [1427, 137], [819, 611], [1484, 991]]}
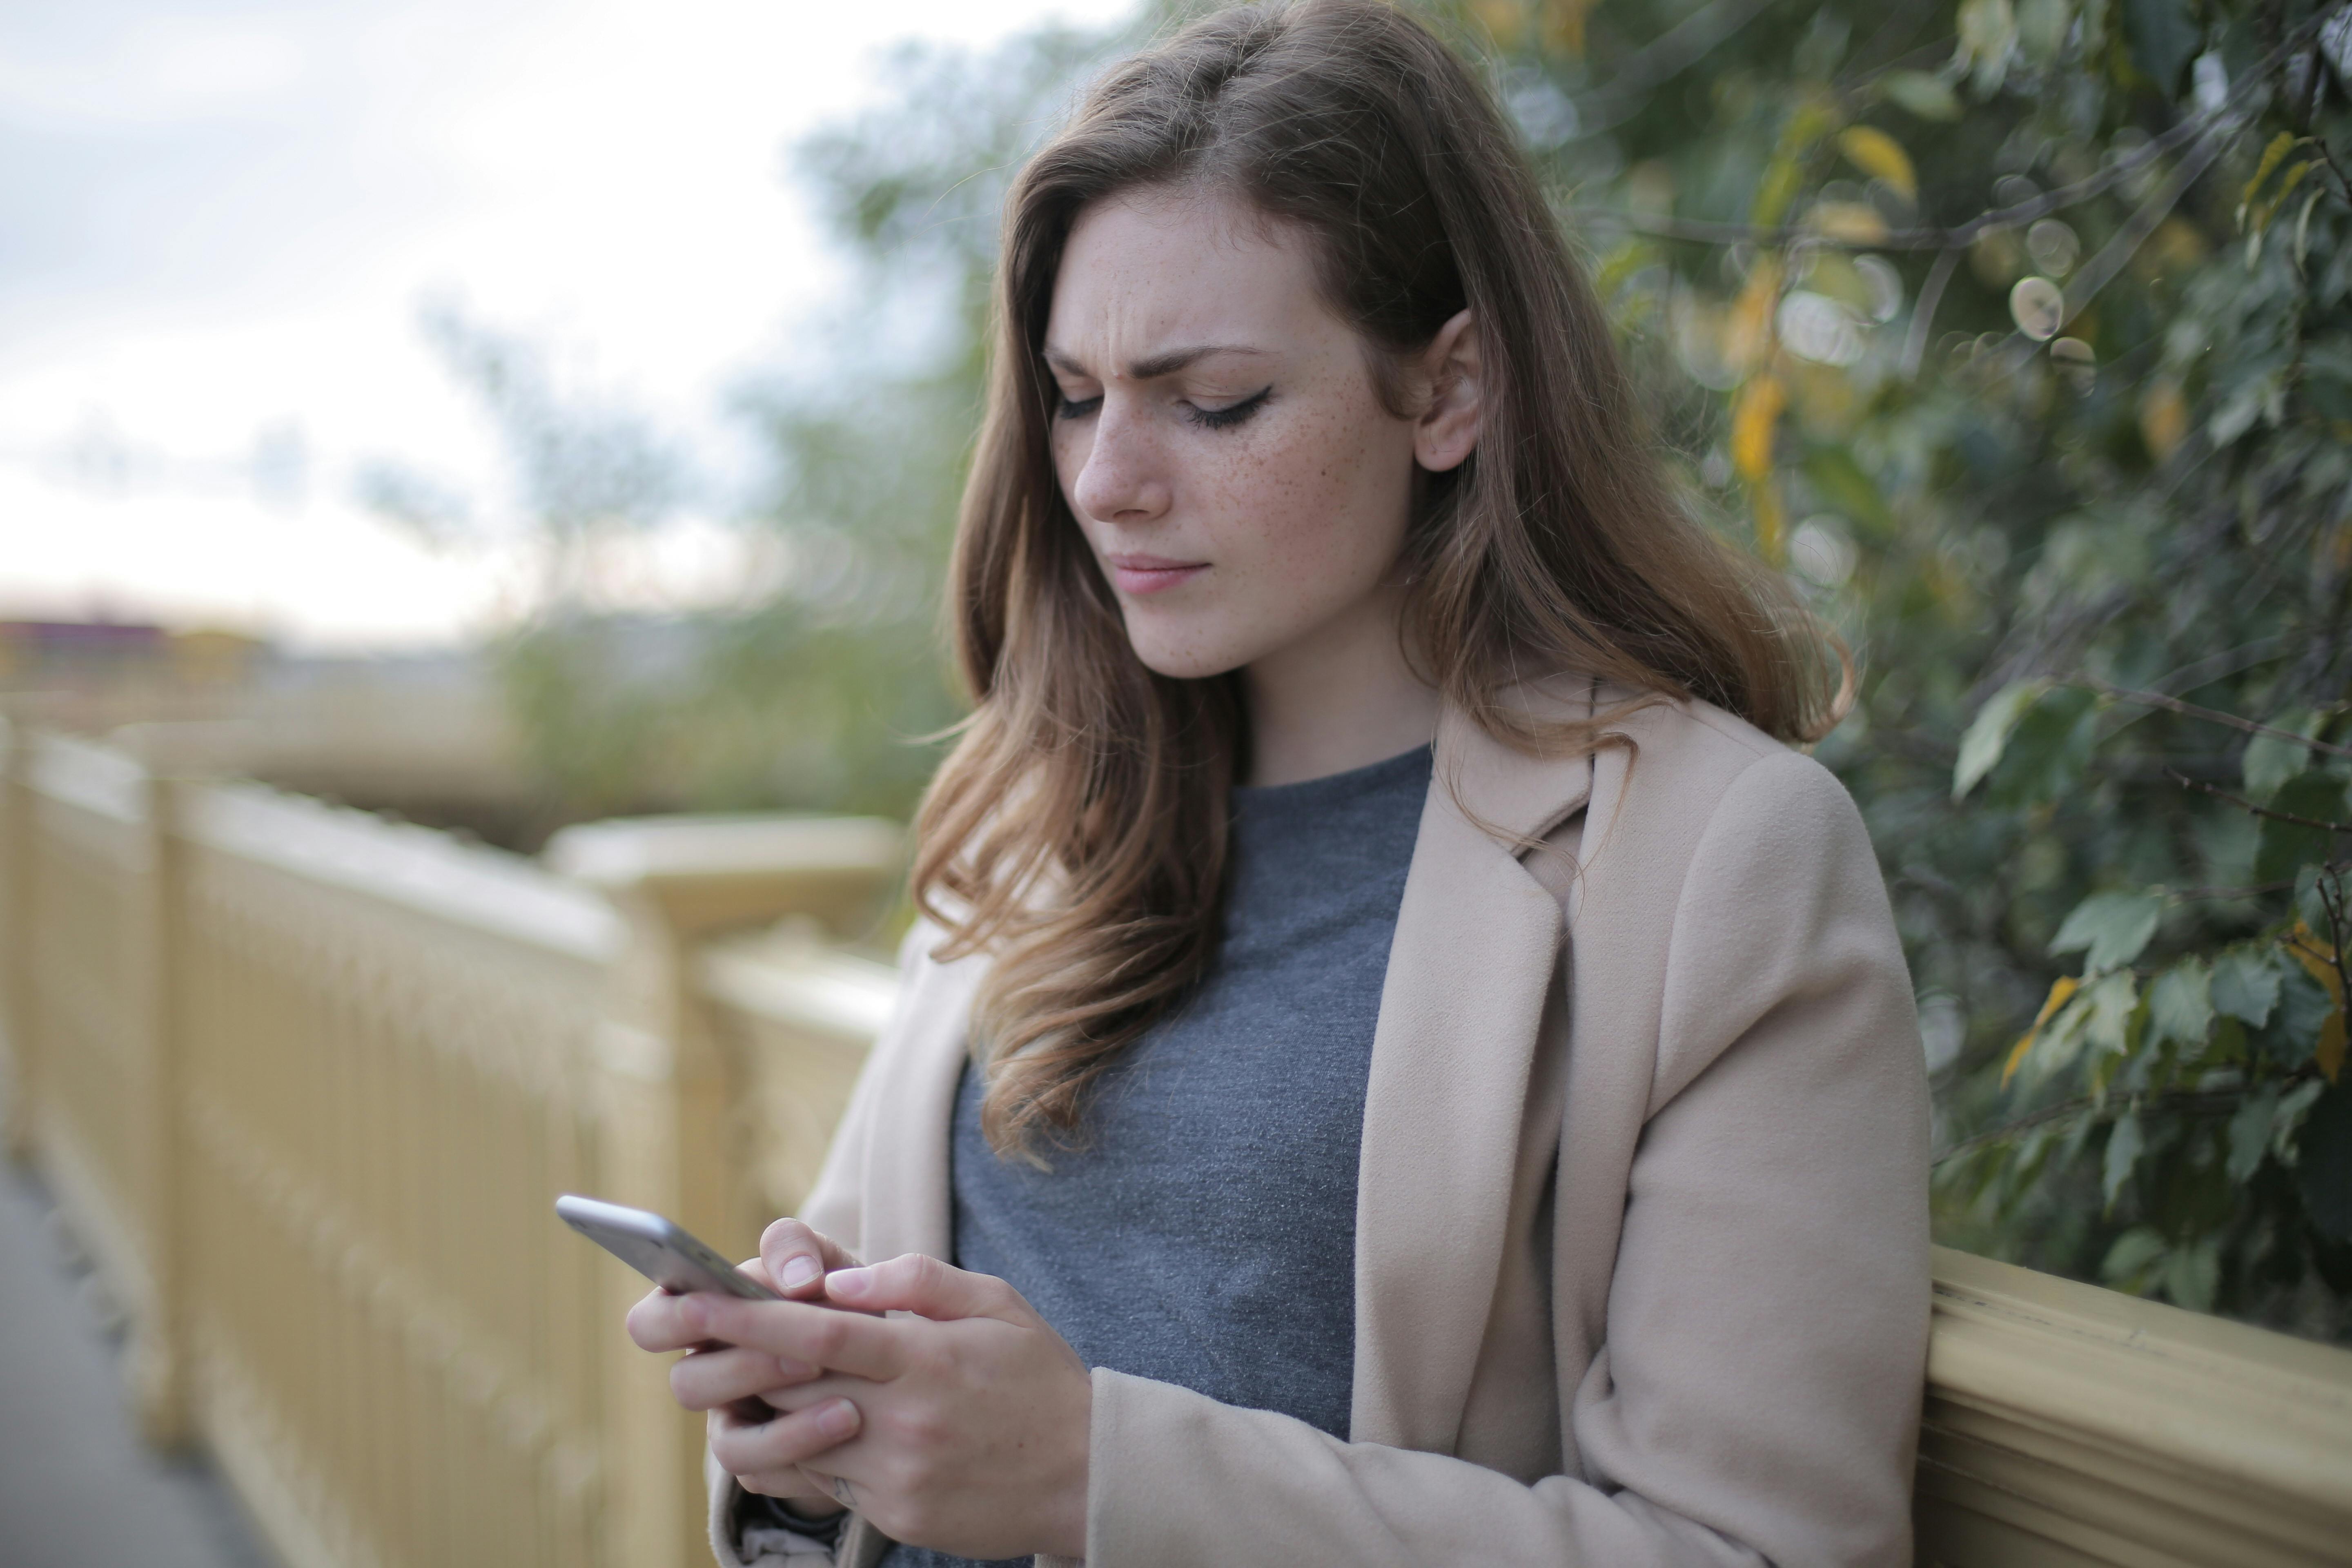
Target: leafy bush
{"points": [[2020, 335]]}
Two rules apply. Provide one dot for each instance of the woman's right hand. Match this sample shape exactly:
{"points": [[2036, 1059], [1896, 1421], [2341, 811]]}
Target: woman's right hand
{"points": [[730, 1382]]}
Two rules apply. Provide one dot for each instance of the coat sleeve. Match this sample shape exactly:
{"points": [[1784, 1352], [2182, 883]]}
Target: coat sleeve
{"points": [[1757, 1393], [835, 1207]]}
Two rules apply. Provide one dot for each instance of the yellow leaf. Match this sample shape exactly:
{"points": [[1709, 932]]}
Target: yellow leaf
{"points": [[2278, 149], [1857, 223], [1563, 26], [1770, 541], [2318, 960], [2163, 417], [2261, 219], [2065, 986], [1755, 413], [1748, 329], [1506, 19], [1882, 157], [1776, 191]]}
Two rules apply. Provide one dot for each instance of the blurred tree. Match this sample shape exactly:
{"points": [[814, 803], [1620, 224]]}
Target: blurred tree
{"points": [[2020, 334], [871, 432], [592, 707]]}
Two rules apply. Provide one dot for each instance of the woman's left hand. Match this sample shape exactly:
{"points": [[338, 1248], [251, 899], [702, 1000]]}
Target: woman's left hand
{"points": [[973, 1414]]}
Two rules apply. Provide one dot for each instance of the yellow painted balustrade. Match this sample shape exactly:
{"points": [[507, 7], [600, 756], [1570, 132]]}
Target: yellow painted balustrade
{"points": [[305, 1082]]}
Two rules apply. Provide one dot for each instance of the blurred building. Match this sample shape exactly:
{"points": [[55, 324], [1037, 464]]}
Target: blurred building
{"points": [[420, 735]]}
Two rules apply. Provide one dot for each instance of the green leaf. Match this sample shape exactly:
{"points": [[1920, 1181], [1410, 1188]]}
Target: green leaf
{"points": [[2249, 1132], [1928, 97], [2042, 28], [2124, 1145], [2308, 904], [2127, 1262], [2303, 1009], [2324, 1158], [1988, 31], [2286, 847], [1843, 485], [2110, 927], [1987, 733], [2112, 999], [2287, 1121], [2162, 35], [2246, 984], [2049, 749], [2192, 1274], [1779, 187], [2180, 1002], [2270, 760]]}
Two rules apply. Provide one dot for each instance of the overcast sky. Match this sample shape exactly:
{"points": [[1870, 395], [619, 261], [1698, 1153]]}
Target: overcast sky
{"points": [[218, 221]]}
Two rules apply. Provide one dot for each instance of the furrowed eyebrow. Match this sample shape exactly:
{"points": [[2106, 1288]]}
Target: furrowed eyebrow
{"points": [[1157, 365]]}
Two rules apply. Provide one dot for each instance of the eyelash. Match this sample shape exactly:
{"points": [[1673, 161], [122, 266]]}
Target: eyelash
{"points": [[1230, 414], [1224, 418]]}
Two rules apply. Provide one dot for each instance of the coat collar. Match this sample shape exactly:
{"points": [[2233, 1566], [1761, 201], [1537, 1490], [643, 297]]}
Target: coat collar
{"points": [[1517, 795]]}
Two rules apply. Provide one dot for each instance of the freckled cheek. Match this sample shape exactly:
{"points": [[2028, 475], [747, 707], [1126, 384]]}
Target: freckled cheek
{"points": [[1289, 508]]}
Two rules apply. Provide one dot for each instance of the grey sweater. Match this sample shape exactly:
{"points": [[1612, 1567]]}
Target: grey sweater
{"points": [[1203, 1234]]}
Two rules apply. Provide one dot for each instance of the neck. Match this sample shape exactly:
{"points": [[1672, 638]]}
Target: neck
{"points": [[1341, 699]]}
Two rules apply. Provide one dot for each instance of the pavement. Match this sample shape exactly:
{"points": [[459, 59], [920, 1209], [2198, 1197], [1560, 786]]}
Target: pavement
{"points": [[78, 1488]]}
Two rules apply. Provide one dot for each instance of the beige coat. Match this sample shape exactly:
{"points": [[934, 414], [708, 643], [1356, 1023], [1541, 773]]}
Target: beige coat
{"points": [[1642, 1231]]}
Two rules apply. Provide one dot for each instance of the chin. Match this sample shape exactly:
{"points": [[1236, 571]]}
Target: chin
{"points": [[1182, 659]]}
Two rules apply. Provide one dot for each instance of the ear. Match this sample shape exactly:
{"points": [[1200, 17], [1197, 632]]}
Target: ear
{"points": [[1447, 433]]}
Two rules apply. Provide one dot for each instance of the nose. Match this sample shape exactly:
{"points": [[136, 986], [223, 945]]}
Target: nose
{"points": [[1120, 476]]}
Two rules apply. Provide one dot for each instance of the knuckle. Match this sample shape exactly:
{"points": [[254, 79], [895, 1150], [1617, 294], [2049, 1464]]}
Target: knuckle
{"points": [[828, 1337], [912, 1518]]}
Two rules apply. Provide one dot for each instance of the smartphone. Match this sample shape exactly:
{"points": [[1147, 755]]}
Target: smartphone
{"points": [[663, 1252]]}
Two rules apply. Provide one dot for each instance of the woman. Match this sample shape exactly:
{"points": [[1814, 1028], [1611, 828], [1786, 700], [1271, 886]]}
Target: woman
{"points": [[1402, 1063]]}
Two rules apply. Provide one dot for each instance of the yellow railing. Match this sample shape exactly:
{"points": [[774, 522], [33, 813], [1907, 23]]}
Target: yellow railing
{"points": [[305, 1082]]}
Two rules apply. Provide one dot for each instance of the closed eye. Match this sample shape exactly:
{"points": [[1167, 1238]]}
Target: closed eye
{"points": [[1075, 407], [1230, 414]]}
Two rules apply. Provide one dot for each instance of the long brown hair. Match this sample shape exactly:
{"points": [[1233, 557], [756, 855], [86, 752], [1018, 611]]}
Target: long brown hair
{"points": [[1078, 834]]}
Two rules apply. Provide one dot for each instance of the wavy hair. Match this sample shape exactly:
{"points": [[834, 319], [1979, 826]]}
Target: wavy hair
{"points": [[1078, 834]]}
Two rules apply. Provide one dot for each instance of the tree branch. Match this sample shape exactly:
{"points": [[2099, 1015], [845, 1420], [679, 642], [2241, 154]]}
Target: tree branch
{"points": [[2013, 216], [1662, 60], [2244, 805], [2212, 715], [2187, 1099]]}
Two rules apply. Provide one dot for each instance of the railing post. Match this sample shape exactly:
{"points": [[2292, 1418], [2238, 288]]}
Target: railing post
{"points": [[668, 1126], [16, 945], [158, 1366]]}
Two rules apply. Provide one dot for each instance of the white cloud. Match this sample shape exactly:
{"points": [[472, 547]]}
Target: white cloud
{"points": [[222, 217]]}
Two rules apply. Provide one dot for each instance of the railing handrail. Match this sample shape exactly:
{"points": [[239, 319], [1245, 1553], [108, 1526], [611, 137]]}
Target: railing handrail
{"points": [[97, 778], [2222, 1398], [416, 867], [802, 986]]}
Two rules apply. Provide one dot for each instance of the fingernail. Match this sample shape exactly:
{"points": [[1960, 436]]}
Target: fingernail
{"points": [[850, 1282], [800, 1270], [787, 1367], [838, 1419]]}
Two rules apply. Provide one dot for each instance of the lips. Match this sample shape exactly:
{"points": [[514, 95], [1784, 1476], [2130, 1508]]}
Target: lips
{"points": [[1142, 574]]}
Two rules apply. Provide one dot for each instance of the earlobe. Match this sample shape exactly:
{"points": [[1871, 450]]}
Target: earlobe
{"points": [[1447, 431]]}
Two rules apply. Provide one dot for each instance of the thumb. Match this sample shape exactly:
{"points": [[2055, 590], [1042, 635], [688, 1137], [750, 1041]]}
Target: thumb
{"points": [[797, 1257], [928, 1288]]}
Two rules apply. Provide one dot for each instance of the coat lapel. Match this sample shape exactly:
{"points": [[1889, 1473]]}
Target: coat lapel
{"points": [[1476, 947], [906, 1180]]}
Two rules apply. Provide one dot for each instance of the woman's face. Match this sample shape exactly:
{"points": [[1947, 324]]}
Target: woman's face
{"points": [[1219, 437]]}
